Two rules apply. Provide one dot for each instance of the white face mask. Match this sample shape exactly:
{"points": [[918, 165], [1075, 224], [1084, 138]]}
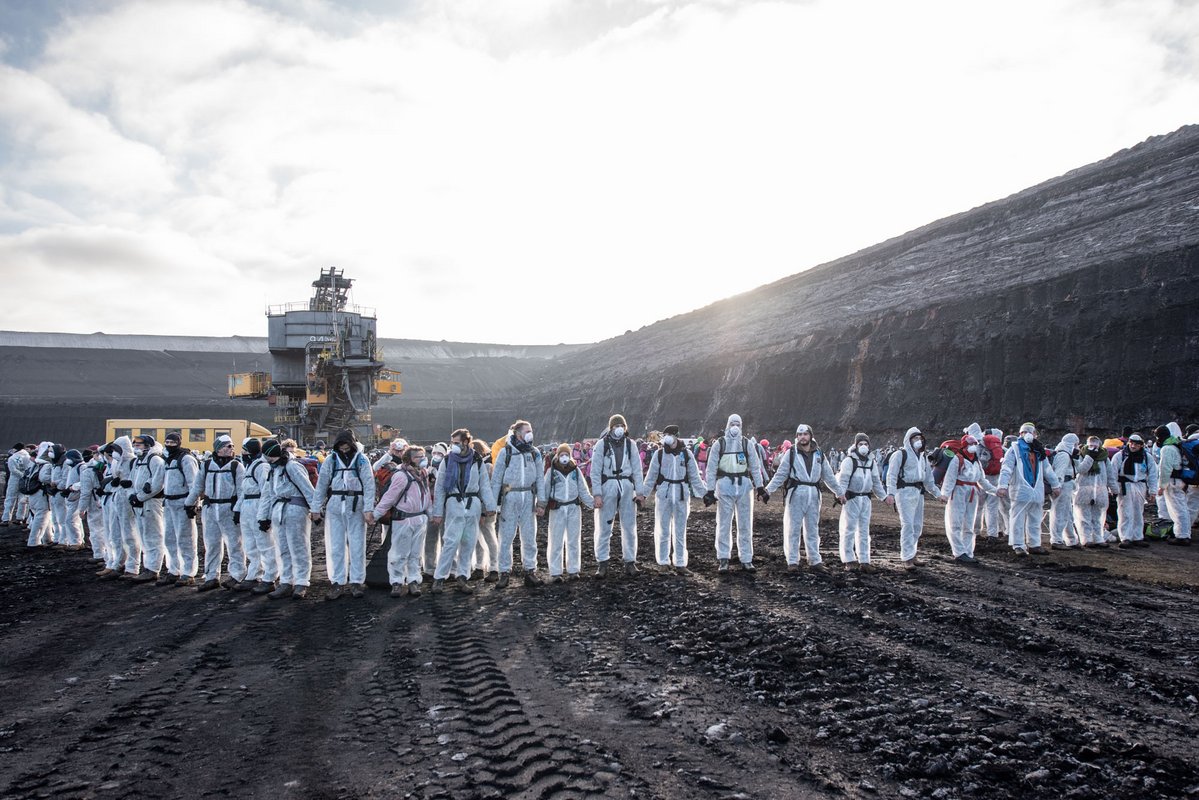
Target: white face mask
{"points": [[618, 431], [734, 430], [436, 460], [563, 460], [456, 449], [1028, 437], [528, 437], [972, 448], [917, 445], [864, 449], [137, 451], [424, 462], [668, 440]]}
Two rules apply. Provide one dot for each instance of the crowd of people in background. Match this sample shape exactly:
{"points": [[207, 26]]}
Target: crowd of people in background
{"points": [[453, 511]]}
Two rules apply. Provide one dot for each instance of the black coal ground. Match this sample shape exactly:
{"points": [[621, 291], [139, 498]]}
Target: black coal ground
{"points": [[1067, 676]]}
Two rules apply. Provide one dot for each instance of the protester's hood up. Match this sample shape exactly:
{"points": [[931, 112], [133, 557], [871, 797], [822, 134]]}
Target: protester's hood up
{"points": [[1068, 443]]}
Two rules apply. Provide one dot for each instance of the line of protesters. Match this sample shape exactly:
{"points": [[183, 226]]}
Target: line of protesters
{"points": [[457, 509]]}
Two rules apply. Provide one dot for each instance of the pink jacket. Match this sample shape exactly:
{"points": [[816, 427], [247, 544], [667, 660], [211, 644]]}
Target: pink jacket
{"points": [[416, 498]]}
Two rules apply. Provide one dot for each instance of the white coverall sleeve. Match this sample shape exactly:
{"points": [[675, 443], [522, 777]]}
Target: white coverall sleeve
{"points": [[196, 485], [324, 478], [487, 492], [439, 488], [844, 475], [698, 488], [714, 453], [893, 471], [498, 473], [597, 465], [367, 476], [584, 492], [951, 479], [780, 476], [1151, 468], [1009, 465], [877, 482], [830, 479], [756, 471], [655, 469], [299, 476], [267, 500]]}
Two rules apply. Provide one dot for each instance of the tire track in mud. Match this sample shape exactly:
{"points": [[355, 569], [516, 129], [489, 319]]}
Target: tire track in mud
{"points": [[484, 740]]}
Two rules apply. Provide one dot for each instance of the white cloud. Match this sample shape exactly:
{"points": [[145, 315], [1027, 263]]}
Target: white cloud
{"points": [[660, 155]]}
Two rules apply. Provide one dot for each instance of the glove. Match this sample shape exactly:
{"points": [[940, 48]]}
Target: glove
{"points": [[126, 484], [133, 501], [264, 525], [236, 517], [763, 495], [190, 511], [146, 488], [709, 499], [114, 481]]}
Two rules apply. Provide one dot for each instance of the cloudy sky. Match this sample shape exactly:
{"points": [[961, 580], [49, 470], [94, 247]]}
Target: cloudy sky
{"points": [[529, 171]]}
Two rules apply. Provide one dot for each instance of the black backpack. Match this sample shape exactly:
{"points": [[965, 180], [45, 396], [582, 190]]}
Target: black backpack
{"points": [[30, 483]]}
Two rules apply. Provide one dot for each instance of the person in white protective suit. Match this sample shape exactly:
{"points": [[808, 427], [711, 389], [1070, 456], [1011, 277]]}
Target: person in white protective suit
{"points": [[673, 477], [286, 502], [1063, 535], [91, 492], [487, 547], [145, 498], [19, 461], [41, 525], [799, 474], [179, 516], [563, 494], [618, 485], [1022, 480], [963, 489], [346, 488], [410, 501], [124, 544], [262, 556], [734, 476], [516, 480], [217, 485], [1137, 483], [58, 496], [909, 476], [991, 514], [1096, 483], [1192, 434], [68, 489], [462, 494], [1172, 491], [857, 479]]}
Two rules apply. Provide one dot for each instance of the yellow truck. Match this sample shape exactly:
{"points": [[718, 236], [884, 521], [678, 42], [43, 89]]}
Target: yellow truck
{"points": [[197, 434]]}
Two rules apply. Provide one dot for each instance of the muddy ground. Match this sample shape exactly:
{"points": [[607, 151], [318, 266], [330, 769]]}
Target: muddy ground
{"points": [[1072, 675]]}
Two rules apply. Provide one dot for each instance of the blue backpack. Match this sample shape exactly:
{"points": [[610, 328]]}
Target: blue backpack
{"points": [[1188, 473]]}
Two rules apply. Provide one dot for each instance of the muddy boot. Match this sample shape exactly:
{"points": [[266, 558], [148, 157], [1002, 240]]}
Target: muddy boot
{"points": [[334, 592], [1179, 542], [463, 585], [722, 565], [683, 572], [819, 569], [107, 573], [492, 577], [399, 589], [283, 590], [1056, 546], [414, 590], [793, 568], [145, 576], [438, 585], [476, 575], [851, 566], [573, 576], [532, 579], [166, 580], [1125, 545], [209, 585], [299, 593], [601, 571], [867, 567], [357, 590], [263, 587], [502, 583], [227, 582], [244, 585], [557, 579], [748, 566], [1038, 551], [185, 581], [631, 569]]}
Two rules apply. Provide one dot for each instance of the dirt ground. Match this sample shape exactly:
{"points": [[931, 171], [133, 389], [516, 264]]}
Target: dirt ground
{"points": [[1072, 675]]}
